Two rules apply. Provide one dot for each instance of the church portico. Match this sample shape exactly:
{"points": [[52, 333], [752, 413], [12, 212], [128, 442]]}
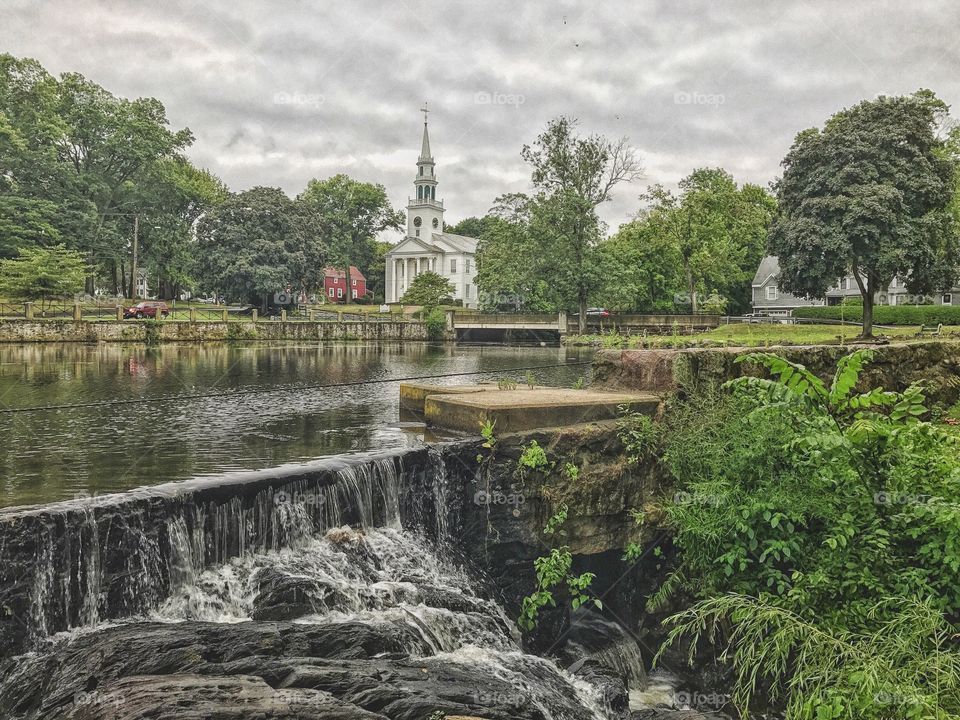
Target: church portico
{"points": [[426, 246]]}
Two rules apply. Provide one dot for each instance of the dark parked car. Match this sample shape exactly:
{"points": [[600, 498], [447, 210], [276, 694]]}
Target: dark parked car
{"points": [[148, 309], [598, 312]]}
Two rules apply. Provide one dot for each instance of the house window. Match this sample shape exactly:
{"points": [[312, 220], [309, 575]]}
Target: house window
{"points": [[947, 299], [353, 280], [467, 291], [354, 294], [466, 266], [893, 283], [332, 292], [418, 232], [772, 292], [339, 292], [892, 299], [453, 267]]}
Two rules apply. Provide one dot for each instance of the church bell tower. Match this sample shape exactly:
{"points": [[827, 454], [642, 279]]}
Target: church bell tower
{"points": [[424, 211]]}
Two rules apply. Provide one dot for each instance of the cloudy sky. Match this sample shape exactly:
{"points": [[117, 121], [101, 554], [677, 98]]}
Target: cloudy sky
{"points": [[278, 92]]}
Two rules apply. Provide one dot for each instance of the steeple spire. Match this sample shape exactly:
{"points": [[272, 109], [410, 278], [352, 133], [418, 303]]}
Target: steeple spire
{"points": [[425, 145]]}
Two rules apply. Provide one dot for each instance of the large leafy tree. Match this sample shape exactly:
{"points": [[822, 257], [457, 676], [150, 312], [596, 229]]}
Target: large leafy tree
{"points": [[249, 248], [42, 273], [717, 230], [429, 289], [351, 214], [510, 271], [70, 142], [573, 175], [641, 270], [869, 194]]}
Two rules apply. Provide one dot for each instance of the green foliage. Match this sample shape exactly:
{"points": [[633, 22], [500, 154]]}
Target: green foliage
{"points": [[486, 431], [888, 315], [250, 245], [571, 472], [530, 379], [640, 435], [349, 214], [436, 322], [871, 194], [580, 383], [429, 289], [506, 383], [634, 550], [533, 457], [907, 666], [717, 232], [812, 518], [553, 572], [42, 273], [795, 384]]}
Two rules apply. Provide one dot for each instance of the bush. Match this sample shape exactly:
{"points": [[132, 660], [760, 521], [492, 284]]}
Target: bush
{"points": [[887, 314], [436, 322]]}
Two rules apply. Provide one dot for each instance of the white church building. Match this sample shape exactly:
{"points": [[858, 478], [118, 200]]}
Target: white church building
{"points": [[427, 246]]}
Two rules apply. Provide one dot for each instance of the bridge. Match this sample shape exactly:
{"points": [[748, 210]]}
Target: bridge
{"points": [[478, 326]]}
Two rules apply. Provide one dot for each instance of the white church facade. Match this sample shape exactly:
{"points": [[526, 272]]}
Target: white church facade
{"points": [[427, 246]]}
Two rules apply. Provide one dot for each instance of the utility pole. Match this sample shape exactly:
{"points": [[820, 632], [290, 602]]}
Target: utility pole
{"points": [[133, 262]]}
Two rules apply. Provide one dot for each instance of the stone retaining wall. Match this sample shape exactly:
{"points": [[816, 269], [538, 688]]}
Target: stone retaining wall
{"points": [[25, 331], [895, 366]]}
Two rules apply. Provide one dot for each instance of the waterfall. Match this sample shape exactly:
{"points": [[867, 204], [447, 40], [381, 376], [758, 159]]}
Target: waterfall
{"points": [[77, 563]]}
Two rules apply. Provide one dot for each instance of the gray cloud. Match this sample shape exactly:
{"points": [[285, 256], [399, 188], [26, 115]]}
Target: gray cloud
{"points": [[279, 92]]}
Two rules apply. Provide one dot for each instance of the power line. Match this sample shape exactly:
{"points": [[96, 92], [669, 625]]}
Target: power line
{"points": [[264, 391]]}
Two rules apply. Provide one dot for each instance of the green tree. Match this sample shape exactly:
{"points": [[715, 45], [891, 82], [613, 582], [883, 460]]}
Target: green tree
{"points": [[429, 289], [869, 195], [717, 229], [248, 245], [640, 270], [42, 273], [470, 227], [572, 176], [351, 214]]}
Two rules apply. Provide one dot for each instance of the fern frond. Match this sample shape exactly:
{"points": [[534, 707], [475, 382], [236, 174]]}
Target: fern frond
{"points": [[790, 374], [847, 374]]}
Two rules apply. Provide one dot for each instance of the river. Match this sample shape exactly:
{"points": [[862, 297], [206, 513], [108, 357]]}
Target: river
{"points": [[73, 453]]}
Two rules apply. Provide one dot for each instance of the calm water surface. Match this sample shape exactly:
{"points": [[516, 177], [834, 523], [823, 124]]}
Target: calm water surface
{"points": [[63, 454]]}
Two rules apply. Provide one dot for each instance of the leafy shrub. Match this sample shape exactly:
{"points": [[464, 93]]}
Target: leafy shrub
{"points": [[436, 322], [887, 315], [813, 520]]}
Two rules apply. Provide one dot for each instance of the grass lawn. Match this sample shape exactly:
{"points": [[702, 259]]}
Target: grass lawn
{"points": [[755, 335]]}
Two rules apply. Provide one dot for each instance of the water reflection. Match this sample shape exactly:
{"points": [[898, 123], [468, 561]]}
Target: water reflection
{"points": [[54, 455]]}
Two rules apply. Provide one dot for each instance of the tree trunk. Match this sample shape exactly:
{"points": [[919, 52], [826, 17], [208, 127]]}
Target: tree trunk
{"points": [[866, 286], [691, 290], [347, 295], [582, 318]]}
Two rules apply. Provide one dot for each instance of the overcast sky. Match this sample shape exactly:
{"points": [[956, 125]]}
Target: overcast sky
{"points": [[282, 91]]}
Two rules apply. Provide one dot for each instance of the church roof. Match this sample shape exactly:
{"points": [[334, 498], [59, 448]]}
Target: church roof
{"points": [[425, 145], [460, 243]]}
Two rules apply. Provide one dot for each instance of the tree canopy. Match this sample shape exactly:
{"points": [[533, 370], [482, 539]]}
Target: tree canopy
{"points": [[870, 195], [42, 273], [428, 289]]}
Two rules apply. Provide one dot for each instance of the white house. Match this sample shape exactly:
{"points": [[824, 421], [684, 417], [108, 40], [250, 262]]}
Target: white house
{"points": [[426, 246]]}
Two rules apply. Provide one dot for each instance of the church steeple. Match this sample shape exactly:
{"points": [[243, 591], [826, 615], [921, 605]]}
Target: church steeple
{"points": [[424, 211], [425, 145]]}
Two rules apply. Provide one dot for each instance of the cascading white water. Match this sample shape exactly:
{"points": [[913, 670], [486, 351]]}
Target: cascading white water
{"points": [[384, 576]]}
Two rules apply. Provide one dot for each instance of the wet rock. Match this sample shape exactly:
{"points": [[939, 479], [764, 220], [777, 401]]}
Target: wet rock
{"points": [[284, 597], [255, 670], [200, 697]]}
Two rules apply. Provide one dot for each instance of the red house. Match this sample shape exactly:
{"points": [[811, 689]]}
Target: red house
{"points": [[335, 285]]}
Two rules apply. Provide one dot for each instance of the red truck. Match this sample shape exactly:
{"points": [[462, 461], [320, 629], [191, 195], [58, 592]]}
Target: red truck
{"points": [[147, 310]]}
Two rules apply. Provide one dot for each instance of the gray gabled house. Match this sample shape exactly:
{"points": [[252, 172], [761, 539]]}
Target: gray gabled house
{"points": [[769, 299]]}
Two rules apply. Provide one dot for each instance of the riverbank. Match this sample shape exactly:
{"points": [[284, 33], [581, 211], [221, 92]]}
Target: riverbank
{"points": [[163, 331]]}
